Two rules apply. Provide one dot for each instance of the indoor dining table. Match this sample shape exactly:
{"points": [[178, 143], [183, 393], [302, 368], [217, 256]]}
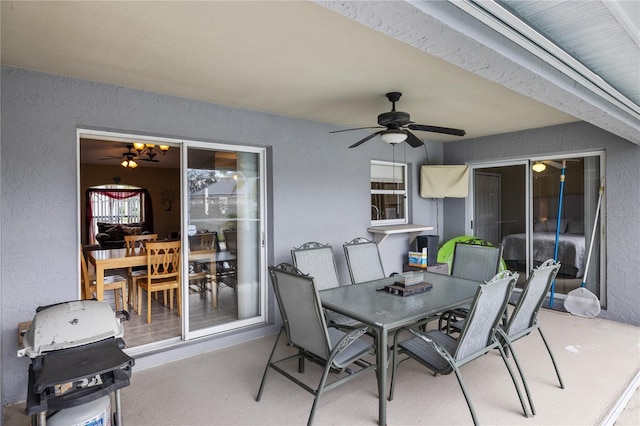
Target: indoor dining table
{"points": [[385, 312], [103, 260]]}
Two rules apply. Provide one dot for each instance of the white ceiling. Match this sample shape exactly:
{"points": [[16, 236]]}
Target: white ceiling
{"points": [[329, 62]]}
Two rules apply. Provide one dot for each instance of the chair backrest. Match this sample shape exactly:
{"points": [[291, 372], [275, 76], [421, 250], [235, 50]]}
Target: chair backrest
{"points": [[487, 308], [532, 297], [317, 260], [134, 241], [231, 240], [206, 241], [475, 262], [301, 309], [163, 259], [363, 260]]}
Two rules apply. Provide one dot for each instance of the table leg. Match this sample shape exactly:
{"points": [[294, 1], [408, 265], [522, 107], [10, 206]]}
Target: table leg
{"points": [[99, 282], [214, 284], [381, 337]]}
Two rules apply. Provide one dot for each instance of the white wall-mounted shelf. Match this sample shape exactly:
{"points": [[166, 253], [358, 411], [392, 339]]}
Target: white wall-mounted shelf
{"points": [[382, 232]]}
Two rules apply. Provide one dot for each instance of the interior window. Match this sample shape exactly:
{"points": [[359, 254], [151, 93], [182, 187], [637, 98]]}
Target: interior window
{"points": [[115, 204], [388, 193]]}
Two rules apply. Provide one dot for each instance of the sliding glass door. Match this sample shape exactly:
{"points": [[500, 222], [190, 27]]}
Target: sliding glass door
{"points": [[224, 218], [540, 209]]}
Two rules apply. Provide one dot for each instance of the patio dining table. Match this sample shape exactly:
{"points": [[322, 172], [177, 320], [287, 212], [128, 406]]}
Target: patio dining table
{"points": [[385, 312]]}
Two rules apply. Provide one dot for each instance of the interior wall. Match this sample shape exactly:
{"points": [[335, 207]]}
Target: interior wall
{"points": [[621, 202], [513, 200], [320, 190], [155, 180]]}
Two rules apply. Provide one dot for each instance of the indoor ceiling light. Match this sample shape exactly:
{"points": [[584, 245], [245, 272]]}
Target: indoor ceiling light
{"points": [[149, 149], [393, 136], [538, 167], [129, 163]]}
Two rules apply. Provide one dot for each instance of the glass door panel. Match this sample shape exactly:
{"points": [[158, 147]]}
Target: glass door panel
{"points": [[499, 212], [224, 230], [565, 194], [544, 209]]}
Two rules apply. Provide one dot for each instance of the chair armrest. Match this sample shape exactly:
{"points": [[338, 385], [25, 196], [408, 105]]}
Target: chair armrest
{"points": [[349, 338], [439, 348], [344, 343], [102, 236]]}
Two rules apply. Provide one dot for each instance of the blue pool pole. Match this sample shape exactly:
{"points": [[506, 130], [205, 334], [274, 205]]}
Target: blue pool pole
{"points": [[555, 250]]}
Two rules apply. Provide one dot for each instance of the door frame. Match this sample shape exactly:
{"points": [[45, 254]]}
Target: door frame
{"points": [[262, 197], [527, 162], [182, 144]]}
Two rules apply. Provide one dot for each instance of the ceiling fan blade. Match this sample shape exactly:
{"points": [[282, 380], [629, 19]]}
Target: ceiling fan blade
{"points": [[357, 128], [111, 157], [361, 141], [558, 164], [413, 140], [147, 159], [553, 164], [436, 129]]}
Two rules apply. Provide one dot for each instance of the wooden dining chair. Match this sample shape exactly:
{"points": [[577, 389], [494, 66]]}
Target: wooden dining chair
{"points": [[135, 242], [163, 274], [117, 283]]}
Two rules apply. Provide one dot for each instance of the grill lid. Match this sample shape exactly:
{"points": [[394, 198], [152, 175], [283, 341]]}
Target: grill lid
{"points": [[70, 324]]}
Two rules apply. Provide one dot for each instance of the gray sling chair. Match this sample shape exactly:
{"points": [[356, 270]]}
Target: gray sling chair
{"points": [[317, 260], [339, 353], [443, 354], [473, 261], [523, 320], [363, 260]]}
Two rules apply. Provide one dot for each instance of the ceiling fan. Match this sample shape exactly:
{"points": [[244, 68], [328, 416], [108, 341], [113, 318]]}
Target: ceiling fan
{"points": [[129, 158], [397, 124]]}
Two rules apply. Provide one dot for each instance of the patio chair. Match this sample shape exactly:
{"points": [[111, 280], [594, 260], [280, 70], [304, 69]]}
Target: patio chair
{"points": [[317, 260], [443, 354], [363, 260], [202, 271], [523, 319], [337, 352], [473, 262]]}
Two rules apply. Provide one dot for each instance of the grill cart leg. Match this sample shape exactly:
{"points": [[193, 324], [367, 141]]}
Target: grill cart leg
{"points": [[118, 409]]}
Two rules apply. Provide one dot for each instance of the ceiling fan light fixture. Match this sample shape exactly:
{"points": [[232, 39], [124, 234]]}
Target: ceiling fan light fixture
{"points": [[393, 136], [129, 163], [149, 149], [538, 167]]}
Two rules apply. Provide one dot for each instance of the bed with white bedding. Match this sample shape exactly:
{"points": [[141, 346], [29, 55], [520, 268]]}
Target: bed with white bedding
{"points": [[571, 250]]}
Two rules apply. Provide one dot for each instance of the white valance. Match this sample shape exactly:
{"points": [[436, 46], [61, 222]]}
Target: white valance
{"points": [[444, 181]]}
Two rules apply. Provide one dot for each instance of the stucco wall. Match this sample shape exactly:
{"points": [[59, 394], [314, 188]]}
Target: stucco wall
{"points": [[319, 189], [622, 191]]}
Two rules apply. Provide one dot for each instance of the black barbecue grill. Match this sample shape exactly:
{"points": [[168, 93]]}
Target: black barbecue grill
{"points": [[76, 357]]}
